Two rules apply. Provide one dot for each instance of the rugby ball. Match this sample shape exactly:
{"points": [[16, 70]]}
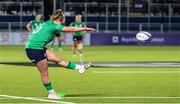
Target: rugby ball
{"points": [[143, 36]]}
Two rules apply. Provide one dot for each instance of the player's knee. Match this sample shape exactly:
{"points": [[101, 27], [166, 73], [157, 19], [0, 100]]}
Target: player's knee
{"points": [[55, 60]]}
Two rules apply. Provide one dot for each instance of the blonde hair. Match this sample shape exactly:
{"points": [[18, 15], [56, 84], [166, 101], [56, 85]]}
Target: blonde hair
{"points": [[58, 14]]}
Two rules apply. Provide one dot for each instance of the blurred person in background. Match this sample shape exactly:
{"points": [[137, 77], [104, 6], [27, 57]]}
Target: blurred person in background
{"points": [[32, 25], [60, 38], [78, 36]]}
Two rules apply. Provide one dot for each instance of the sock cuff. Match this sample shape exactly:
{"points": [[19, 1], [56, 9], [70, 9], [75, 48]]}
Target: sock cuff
{"points": [[48, 86], [71, 65]]}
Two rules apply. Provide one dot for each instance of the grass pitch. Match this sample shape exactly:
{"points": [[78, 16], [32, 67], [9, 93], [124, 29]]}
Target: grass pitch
{"points": [[97, 85]]}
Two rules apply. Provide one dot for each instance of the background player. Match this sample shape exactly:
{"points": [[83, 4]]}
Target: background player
{"points": [[34, 23], [38, 53], [60, 38], [78, 36]]}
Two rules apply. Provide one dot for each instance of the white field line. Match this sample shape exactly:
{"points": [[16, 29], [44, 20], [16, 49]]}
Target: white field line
{"points": [[127, 97], [136, 72], [101, 97], [35, 99]]}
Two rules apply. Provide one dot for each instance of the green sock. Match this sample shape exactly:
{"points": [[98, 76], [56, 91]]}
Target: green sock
{"points": [[48, 86], [71, 65]]}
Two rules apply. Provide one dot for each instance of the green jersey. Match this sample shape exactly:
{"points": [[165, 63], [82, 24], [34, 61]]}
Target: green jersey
{"points": [[35, 24], [42, 35], [78, 24]]}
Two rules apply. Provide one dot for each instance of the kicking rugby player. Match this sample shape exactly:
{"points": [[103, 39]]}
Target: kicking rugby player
{"points": [[38, 53]]}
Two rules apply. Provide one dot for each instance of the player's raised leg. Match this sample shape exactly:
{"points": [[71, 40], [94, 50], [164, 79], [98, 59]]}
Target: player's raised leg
{"points": [[70, 65]]}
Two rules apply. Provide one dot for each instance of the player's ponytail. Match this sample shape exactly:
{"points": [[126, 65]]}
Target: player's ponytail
{"points": [[58, 14]]}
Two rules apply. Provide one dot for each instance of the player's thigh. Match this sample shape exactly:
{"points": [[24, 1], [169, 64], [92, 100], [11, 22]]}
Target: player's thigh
{"points": [[79, 39], [75, 39], [52, 57], [79, 42], [59, 38], [75, 43], [42, 65]]}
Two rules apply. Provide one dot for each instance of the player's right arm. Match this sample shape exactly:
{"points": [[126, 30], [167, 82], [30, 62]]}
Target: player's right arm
{"points": [[74, 29], [28, 26]]}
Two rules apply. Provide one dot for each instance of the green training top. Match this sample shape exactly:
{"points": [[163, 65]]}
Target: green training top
{"points": [[35, 24], [42, 35], [78, 24]]}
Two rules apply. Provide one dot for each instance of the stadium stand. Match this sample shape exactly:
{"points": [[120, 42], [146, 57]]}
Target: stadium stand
{"points": [[135, 15], [154, 15]]}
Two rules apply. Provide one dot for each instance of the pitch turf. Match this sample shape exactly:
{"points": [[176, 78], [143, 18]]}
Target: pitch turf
{"points": [[98, 85]]}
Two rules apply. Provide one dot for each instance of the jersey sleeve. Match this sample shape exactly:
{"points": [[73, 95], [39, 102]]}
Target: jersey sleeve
{"points": [[59, 28]]}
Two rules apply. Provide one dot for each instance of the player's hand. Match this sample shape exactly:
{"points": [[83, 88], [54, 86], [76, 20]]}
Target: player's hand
{"points": [[90, 29]]}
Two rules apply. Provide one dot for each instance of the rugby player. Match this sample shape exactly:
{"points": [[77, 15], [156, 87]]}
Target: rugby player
{"points": [[34, 23], [38, 53], [78, 36]]}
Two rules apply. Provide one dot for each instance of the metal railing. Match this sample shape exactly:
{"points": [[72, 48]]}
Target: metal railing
{"points": [[107, 10], [120, 10], [12, 26], [101, 27], [135, 27], [20, 10]]}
